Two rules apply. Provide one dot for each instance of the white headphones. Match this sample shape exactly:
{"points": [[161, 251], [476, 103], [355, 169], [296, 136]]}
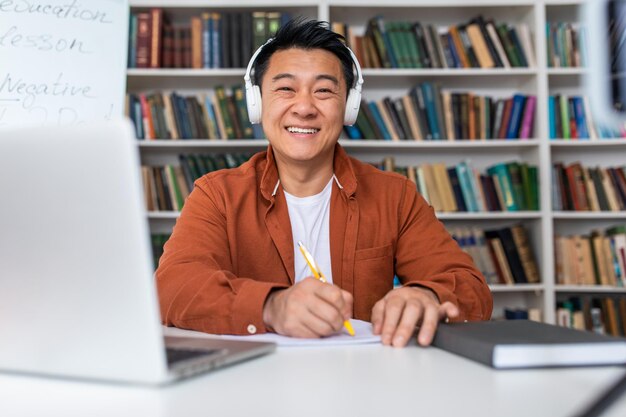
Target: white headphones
{"points": [[253, 92]]}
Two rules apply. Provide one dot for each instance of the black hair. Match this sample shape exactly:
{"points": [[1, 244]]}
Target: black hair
{"points": [[305, 34]]}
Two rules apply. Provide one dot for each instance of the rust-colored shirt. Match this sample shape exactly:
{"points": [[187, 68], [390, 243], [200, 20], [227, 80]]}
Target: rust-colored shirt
{"points": [[232, 245]]}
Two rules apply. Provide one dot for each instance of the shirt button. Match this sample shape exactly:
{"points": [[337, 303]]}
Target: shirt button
{"points": [[251, 328]]}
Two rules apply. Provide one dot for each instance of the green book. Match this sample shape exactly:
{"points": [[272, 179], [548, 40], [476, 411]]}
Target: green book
{"points": [[272, 22], [379, 42], [175, 193], [211, 163], [411, 42], [564, 107], [526, 187], [242, 112], [192, 162], [259, 29], [516, 182], [509, 47], [616, 230], [534, 187], [363, 124], [396, 47], [504, 179], [220, 95]]}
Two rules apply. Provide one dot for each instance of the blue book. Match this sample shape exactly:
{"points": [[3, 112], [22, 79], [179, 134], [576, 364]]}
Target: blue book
{"points": [[136, 116], [517, 109], [180, 113], [353, 132], [210, 111], [476, 189], [378, 119], [132, 47], [506, 185], [515, 314], [456, 189], [216, 52], [552, 116], [518, 47], [579, 117], [431, 109], [207, 29], [453, 52], [463, 171]]}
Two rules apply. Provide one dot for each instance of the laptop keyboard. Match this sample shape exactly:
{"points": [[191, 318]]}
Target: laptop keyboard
{"points": [[177, 355]]}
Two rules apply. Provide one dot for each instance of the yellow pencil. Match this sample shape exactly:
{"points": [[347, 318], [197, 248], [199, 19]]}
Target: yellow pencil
{"points": [[319, 275]]}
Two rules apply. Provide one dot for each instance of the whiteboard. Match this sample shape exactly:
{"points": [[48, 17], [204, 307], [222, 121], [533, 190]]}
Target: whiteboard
{"points": [[62, 62]]}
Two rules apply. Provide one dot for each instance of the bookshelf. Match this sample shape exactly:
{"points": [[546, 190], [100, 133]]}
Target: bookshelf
{"points": [[540, 80]]}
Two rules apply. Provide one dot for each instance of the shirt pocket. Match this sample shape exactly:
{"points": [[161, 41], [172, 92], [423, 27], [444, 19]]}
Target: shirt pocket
{"points": [[373, 278]]}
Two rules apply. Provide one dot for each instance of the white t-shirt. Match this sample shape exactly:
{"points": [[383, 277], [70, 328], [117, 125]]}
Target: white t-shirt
{"points": [[310, 223]]}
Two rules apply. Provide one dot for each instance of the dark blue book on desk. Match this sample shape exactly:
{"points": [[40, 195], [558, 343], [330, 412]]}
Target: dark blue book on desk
{"points": [[529, 344]]}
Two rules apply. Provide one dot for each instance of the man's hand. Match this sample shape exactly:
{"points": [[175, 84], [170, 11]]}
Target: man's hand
{"points": [[309, 309], [396, 315]]}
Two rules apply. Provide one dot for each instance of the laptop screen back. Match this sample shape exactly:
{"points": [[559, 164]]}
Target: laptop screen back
{"points": [[77, 296]]}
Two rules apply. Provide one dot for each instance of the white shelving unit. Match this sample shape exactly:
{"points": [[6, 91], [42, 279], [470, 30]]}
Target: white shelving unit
{"points": [[540, 81]]}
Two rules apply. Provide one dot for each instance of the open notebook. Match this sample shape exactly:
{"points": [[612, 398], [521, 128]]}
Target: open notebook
{"points": [[362, 329]]}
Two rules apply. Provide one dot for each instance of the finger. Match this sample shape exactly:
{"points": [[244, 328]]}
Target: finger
{"points": [[328, 314], [378, 314], [321, 326], [393, 311], [332, 295], [411, 314], [348, 302], [448, 309], [429, 325]]}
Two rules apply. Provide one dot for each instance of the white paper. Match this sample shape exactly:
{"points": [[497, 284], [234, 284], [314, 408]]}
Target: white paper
{"points": [[362, 335]]}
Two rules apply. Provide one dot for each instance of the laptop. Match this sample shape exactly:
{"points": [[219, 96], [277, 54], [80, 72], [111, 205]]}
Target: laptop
{"points": [[77, 292]]}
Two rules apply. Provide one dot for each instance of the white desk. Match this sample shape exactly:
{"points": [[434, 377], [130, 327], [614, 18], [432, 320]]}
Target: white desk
{"points": [[369, 380]]}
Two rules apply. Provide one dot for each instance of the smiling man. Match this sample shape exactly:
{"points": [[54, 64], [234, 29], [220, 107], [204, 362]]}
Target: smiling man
{"points": [[232, 265]]}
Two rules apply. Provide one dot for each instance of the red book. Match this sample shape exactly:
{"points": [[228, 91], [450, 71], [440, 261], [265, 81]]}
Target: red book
{"points": [[577, 188], [186, 42], [168, 46], [146, 117], [506, 115], [177, 47], [144, 38]]}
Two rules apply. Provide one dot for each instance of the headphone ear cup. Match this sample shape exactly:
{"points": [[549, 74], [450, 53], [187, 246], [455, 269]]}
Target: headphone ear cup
{"points": [[253, 103], [352, 107]]}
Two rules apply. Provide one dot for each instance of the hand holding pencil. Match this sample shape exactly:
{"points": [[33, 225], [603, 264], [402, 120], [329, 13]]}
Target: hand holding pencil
{"points": [[308, 309], [320, 276]]}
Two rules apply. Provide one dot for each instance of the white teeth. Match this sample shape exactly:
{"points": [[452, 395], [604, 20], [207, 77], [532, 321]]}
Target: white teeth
{"points": [[293, 129]]}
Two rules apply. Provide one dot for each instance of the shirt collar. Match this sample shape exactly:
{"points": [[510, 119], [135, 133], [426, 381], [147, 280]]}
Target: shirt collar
{"points": [[344, 173]]}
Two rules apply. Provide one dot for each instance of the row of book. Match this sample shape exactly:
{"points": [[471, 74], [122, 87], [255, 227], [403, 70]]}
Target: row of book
{"points": [[517, 313], [208, 40], [428, 113], [220, 114], [506, 186], [478, 43], [570, 117], [566, 45], [157, 241], [504, 255], [579, 188], [604, 315], [595, 259], [167, 187]]}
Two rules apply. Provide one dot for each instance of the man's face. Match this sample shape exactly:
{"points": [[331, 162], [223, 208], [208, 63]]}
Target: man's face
{"points": [[303, 102]]}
